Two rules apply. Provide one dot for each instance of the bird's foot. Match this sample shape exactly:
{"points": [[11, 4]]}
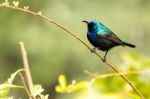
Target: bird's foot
{"points": [[93, 50], [104, 59]]}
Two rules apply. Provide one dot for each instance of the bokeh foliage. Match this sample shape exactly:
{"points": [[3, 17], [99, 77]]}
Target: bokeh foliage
{"points": [[113, 87]]}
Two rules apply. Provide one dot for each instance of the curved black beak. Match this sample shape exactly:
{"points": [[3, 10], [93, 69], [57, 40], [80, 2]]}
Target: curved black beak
{"points": [[85, 21]]}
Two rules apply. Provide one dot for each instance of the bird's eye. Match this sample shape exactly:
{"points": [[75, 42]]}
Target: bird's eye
{"points": [[92, 23]]}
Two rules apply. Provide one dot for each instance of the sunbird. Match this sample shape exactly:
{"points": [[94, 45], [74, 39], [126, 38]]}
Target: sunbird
{"points": [[102, 38]]}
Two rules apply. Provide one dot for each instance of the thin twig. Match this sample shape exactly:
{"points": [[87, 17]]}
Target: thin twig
{"points": [[25, 86], [26, 66], [90, 88], [75, 36], [93, 75]]}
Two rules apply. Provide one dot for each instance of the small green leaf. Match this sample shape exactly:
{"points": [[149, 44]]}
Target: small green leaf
{"points": [[16, 3], [36, 90], [7, 85], [75, 87], [64, 88], [12, 76], [80, 85], [62, 81], [4, 89], [26, 7], [6, 3], [44, 96], [59, 89]]}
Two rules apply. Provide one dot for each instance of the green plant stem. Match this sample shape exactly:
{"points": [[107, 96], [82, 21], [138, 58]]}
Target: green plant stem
{"points": [[73, 34]]}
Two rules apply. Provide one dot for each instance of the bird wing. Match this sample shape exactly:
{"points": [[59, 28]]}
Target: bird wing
{"points": [[111, 37], [107, 34]]}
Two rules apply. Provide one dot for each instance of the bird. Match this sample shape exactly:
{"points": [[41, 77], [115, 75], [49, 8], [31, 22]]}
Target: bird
{"points": [[102, 38]]}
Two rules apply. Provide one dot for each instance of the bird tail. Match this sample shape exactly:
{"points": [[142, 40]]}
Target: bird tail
{"points": [[129, 45]]}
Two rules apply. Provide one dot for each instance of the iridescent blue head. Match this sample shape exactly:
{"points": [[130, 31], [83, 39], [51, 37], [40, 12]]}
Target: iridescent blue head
{"points": [[96, 27], [92, 25]]}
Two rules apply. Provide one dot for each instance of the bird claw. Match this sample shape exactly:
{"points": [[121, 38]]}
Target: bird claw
{"points": [[93, 50], [104, 59]]}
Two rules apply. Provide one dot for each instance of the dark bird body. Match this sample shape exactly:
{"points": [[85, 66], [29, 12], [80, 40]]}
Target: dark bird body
{"points": [[103, 38]]}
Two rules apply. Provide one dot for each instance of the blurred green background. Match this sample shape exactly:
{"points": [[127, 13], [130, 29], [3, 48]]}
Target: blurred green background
{"points": [[52, 52]]}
